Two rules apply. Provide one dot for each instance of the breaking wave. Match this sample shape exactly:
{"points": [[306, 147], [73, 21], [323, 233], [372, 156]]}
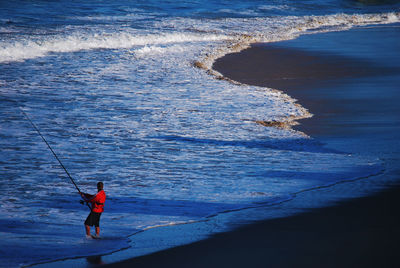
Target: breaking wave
{"points": [[238, 31]]}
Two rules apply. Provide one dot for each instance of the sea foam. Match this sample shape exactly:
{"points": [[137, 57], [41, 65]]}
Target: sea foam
{"points": [[254, 29], [30, 49]]}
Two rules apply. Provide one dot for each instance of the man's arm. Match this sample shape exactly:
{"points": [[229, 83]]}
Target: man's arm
{"points": [[87, 197]]}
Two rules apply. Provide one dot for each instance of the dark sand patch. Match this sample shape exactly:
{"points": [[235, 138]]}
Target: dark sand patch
{"points": [[313, 78], [289, 69], [360, 233]]}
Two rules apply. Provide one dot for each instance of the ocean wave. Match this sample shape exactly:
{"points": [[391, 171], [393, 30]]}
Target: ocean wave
{"points": [[29, 49], [275, 7], [240, 32], [156, 49], [127, 17]]}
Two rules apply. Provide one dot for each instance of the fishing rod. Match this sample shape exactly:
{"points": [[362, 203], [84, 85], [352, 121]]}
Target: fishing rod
{"points": [[55, 155]]}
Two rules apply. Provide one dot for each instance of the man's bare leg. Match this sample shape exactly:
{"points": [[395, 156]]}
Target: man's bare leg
{"points": [[87, 227], [97, 231]]}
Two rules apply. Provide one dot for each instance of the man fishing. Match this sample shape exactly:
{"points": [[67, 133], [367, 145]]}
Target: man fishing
{"points": [[97, 207], [97, 200]]}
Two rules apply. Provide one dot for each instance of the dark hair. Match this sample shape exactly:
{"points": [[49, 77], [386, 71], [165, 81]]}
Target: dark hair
{"points": [[100, 185]]}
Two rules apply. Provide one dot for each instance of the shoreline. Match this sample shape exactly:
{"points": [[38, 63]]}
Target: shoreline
{"points": [[309, 239], [358, 232]]}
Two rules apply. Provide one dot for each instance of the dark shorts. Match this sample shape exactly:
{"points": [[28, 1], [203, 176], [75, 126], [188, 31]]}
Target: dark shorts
{"points": [[93, 219]]}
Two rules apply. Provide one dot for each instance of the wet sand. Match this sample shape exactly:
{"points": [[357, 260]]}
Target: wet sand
{"points": [[355, 105], [359, 233]]}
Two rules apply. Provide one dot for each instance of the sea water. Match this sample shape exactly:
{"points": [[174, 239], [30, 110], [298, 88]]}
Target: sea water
{"points": [[116, 90]]}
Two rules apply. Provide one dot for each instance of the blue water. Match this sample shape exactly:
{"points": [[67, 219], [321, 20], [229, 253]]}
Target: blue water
{"points": [[113, 88]]}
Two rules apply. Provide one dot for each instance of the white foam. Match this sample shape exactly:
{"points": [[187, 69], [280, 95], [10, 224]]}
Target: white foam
{"points": [[146, 50], [29, 49], [255, 29]]}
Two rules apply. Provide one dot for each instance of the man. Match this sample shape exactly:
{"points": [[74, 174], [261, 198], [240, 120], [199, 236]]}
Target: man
{"points": [[97, 207]]}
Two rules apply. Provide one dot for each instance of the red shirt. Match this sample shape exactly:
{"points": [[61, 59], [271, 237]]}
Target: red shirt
{"points": [[97, 201]]}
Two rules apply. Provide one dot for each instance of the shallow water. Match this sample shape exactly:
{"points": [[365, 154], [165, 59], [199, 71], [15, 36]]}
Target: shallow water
{"points": [[113, 89]]}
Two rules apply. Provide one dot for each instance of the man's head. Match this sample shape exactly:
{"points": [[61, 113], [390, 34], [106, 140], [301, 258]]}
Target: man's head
{"points": [[100, 186]]}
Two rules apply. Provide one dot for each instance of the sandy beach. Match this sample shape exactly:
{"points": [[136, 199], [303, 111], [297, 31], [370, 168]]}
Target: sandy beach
{"points": [[359, 233], [348, 114]]}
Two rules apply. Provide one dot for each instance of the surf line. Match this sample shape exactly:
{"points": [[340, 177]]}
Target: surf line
{"points": [[48, 145]]}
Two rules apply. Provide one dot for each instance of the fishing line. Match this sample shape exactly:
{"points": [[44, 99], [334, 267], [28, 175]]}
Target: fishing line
{"points": [[48, 145]]}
